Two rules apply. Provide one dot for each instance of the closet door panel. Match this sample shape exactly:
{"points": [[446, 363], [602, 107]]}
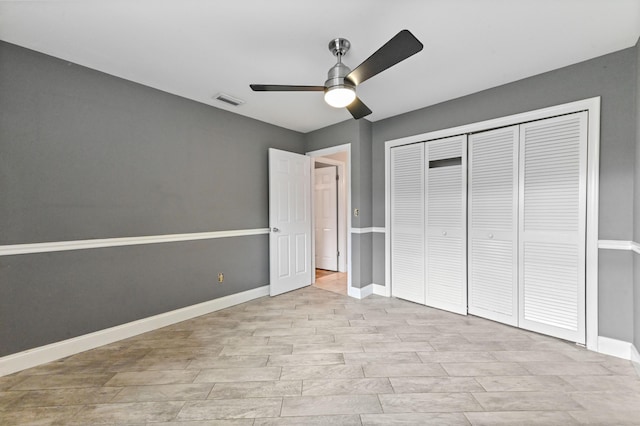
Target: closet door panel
{"points": [[552, 218], [407, 223], [493, 188], [446, 271]]}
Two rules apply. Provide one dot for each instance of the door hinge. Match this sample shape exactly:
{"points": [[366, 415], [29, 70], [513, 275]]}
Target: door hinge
{"points": [[338, 254], [337, 177]]}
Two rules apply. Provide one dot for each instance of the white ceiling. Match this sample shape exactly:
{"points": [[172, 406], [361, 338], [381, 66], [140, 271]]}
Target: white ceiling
{"points": [[197, 48]]}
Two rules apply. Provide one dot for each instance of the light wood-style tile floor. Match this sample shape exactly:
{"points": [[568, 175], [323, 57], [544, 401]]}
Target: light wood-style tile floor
{"points": [[331, 281], [313, 357]]}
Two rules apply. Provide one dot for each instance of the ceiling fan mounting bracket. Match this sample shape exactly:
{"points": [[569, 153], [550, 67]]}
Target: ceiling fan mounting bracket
{"points": [[339, 46]]}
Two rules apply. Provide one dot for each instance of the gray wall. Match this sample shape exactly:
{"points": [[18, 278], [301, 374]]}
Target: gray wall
{"points": [[636, 226], [346, 132], [86, 155], [615, 294], [612, 77], [364, 156], [49, 297], [365, 241], [378, 256]]}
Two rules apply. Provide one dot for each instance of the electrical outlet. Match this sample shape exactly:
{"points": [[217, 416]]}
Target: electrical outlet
{"points": [[220, 277]]}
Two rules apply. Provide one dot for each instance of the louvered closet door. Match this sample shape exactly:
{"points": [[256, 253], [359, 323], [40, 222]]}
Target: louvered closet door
{"points": [[493, 225], [407, 222], [553, 171], [446, 195]]}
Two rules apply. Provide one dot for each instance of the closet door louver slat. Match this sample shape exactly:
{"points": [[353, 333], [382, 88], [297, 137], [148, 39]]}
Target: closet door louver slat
{"points": [[493, 200], [552, 226], [446, 266], [407, 223]]}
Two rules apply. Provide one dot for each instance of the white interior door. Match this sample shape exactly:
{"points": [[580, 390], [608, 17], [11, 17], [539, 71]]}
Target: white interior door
{"points": [[326, 218], [553, 171], [446, 224], [289, 221], [493, 224], [407, 223]]}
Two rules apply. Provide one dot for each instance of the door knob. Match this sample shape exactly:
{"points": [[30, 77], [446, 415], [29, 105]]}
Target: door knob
{"points": [[444, 233], [275, 229], [490, 236]]}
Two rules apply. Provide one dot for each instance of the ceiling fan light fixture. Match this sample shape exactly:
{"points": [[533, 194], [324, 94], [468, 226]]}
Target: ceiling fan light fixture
{"points": [[340, 87], [339, 96]]}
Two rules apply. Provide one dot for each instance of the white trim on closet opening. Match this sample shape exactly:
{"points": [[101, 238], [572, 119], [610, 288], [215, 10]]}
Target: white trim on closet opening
{"points": [[592, 106]]}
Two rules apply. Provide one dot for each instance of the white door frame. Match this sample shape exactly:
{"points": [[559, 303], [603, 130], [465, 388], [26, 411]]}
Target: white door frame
{"points": [[342, 209], [592, 105], [344, 193]]}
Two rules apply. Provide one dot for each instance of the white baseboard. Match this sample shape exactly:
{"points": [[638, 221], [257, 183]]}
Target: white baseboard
{"points": [[379, 290], [43, 354], [614, 347], [361, 293]]}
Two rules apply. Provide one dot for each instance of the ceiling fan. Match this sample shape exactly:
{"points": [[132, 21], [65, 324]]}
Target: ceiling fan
{"points": [[340, 87]]}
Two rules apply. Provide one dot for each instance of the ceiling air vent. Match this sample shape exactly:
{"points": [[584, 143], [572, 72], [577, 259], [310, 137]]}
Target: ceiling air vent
{"points": [[228, 99]]}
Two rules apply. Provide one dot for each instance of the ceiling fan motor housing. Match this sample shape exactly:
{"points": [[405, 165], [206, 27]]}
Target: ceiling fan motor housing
{"points": [[336, 76], [337, 73]]}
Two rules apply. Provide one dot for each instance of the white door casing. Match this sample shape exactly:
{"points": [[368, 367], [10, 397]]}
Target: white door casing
{"points": [[446, 224], [527, 224], [552, 226], [493, 224], [344, 204], [326, 218], [289, 221]]}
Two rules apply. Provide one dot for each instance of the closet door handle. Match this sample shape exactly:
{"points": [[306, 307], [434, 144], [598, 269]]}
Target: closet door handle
{"points": [[444, 233], [490, 236]]}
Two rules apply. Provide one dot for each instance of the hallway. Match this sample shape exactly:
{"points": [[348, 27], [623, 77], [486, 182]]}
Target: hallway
{"points": [[331, 281]]}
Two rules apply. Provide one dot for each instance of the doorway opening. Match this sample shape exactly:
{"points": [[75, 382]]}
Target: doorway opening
{"points": [[333, 281], [331, 202]]}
